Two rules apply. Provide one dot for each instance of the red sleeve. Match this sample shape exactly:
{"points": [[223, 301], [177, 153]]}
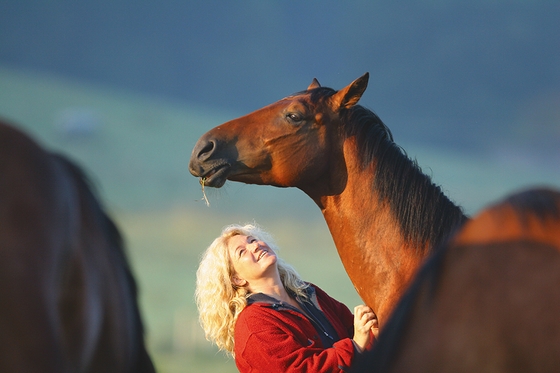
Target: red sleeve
{"points": [[271, 341]]}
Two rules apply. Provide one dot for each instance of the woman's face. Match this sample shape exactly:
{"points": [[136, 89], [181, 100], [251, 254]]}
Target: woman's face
{"points": [[252, 260]]}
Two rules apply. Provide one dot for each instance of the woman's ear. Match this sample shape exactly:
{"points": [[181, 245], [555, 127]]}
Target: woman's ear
{"points": [[238, 281]]}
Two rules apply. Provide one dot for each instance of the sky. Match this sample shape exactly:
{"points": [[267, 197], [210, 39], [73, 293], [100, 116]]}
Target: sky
{"points": [[451, 73]]}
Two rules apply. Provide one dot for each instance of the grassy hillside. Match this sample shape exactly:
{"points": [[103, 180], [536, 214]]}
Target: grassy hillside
{"points": [[137, 147]]}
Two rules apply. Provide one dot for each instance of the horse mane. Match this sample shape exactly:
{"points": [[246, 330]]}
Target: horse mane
{"points": [[425, 214]]}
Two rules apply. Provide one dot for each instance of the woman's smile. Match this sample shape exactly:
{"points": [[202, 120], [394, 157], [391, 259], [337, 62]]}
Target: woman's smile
{"points": [[263, 253]]}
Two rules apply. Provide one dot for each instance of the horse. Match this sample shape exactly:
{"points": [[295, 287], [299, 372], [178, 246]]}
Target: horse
{"points": [[488, 301], [68, 298], [384, 214]]}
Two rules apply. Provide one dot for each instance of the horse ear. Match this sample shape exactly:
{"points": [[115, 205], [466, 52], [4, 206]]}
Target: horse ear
{"points": [[351, 94], [314, 84]]}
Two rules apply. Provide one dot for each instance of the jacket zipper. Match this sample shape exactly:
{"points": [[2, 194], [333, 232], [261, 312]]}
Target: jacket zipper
{"points": [[308, 316]]}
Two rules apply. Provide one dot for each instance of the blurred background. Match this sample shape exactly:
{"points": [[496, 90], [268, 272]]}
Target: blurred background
{"points": [[469, 89]]}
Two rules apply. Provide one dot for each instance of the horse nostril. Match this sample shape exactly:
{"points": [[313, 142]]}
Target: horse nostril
{"points": [[202, 153], [206, 149]]}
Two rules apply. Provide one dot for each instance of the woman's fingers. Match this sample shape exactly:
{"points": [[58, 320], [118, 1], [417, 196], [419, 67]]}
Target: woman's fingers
{"points": [[364, 313], [365, 320]]}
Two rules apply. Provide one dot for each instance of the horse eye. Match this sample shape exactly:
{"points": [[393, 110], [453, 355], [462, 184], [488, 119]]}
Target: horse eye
{"points": [[294, 117]]}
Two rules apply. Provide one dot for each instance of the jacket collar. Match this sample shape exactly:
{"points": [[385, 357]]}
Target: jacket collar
{"points": [[267, 299]]}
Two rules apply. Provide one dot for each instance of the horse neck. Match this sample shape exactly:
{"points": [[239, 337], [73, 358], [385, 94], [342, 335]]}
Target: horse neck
{"points": [[378, 255]]}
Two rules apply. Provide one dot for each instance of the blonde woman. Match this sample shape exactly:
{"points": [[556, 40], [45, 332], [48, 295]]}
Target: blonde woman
{"points": [[255, 306]]}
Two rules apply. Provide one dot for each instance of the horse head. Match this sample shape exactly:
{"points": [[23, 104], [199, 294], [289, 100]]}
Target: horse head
{"points": [[287, 144]]}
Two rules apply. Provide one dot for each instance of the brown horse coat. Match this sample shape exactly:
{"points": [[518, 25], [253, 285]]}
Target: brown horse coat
{"points": [[67, 295], [489, 301]]}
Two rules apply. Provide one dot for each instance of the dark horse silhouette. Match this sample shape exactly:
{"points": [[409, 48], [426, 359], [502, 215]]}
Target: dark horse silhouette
{"points": [[68, 299], [384, 214], [487, 302]]}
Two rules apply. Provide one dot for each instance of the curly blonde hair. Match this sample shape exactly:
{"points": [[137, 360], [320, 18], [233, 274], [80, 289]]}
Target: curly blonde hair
{"points": [[218, 300]]}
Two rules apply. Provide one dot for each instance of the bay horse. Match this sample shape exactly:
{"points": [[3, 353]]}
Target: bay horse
{"points": [[385, 216], [488, 301], [68, 298]]}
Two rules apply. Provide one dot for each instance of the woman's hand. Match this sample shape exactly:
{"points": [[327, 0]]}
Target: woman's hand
{"points": [[365, 323]]}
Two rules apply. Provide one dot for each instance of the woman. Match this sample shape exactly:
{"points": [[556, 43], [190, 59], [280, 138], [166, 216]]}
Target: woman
{"points": [[256, 307]]}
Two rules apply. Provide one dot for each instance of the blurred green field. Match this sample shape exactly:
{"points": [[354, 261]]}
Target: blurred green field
{"points": [[137, 155]]}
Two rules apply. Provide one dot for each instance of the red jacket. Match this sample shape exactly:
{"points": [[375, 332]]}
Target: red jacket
{"points": [[273, 338]]}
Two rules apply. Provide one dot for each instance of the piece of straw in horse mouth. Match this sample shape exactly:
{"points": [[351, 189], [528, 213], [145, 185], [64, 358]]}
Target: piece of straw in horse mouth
{"points": [[204, 198]]}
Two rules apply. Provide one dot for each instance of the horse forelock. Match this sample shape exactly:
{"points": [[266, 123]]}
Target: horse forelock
{"points": [[314, 95], [426, 216]]}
